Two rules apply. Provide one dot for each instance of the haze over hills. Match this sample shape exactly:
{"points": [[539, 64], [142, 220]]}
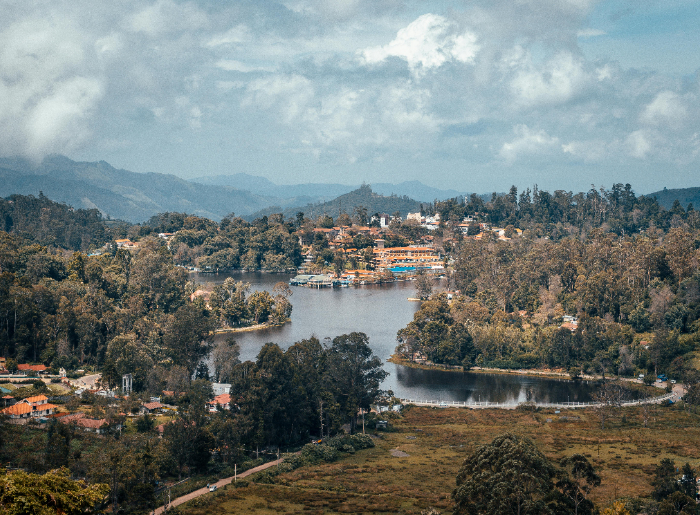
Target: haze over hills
{"points": [[121, 194], [135, 197], [320, 192]]}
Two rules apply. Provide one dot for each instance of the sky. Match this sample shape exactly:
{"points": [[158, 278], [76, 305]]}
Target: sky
{"points": [[472, 95]]}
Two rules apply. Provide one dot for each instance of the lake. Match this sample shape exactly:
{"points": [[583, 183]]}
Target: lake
{"points": [[380, 311]]}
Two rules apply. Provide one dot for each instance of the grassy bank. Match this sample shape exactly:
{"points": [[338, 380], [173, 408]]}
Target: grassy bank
{"points": [[433, 443], [256, 327]]}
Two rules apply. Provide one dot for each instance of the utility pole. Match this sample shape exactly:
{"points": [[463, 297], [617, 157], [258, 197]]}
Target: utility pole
{"points": [[321, 406]]}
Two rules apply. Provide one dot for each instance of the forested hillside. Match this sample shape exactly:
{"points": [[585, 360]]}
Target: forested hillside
{"points": [[622, 265], [684, 196], [40, 220], [362, 197]]}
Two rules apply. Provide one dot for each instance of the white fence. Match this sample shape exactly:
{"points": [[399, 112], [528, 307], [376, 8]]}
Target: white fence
{"points": [[563, 405]]}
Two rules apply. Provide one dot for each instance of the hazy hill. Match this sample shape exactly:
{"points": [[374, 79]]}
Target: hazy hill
{"points": [[310, 192], [363, 196], [120, 193], [685, 196], [321, 192]]}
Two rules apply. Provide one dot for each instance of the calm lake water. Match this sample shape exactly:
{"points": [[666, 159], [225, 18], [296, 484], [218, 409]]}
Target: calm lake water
{"points": [[380, 311]]}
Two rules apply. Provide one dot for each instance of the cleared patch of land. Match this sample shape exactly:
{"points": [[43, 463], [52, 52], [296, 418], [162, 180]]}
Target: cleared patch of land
{"points": [[382, 480]]}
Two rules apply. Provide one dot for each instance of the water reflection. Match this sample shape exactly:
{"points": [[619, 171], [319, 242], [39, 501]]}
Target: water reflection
{"points": [[440, 385], [380, 311]]}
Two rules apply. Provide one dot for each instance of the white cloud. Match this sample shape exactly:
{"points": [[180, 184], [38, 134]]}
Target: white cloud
{"points": [[667, 109], [528, 142], [238, 34], [590, 151], [46, 95], [233, 65], [289, 94], [428, 42], [555, 82], [165, 16], [590, 33], [329, 79], [109, 45], [639, 144]]}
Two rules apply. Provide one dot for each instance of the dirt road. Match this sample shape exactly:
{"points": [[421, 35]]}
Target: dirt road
{"points": [[222, 482]]}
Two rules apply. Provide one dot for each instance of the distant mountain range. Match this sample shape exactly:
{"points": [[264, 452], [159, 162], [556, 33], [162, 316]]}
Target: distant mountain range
{"points": [[320, 192], [122, 194], [685, 196], [135, 197]]}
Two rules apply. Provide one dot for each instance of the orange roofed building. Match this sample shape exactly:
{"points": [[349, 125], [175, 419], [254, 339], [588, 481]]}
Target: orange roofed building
{"points": [[31, 368], [401, 259], [223, 400], [36, 406]]}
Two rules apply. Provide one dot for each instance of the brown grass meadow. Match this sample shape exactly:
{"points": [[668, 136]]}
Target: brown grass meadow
{"points": [[437, 440]]}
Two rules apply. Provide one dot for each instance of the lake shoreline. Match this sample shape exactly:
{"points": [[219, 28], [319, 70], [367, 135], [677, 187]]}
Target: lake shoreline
{"points": [[250, 328], [552, 374], [543, 373]]}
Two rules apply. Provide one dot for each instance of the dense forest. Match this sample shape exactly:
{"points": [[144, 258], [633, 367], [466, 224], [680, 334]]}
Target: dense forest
{"points": [[562, 214], [42, 221], [623, 266], [267, 243]]}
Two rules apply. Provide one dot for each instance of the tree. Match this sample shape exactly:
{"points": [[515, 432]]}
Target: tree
{"points": [[608, 400], [58, 438], [688, 481], [260, 306], [188, 335], [423, 285], [578, 483], [226, 356], [144, 424], [189, 444], [508, 476], [129, 355], [11, 365], [22, 493], [664, 481], [354, 373], [678, 503], [618, 508]]}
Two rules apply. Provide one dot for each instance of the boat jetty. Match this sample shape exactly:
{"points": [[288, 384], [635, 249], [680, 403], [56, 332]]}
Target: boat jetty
{"points": [[313, 281]]}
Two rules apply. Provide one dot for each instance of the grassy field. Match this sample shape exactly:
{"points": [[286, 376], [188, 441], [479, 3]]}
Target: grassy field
{"points": [[431, 444]]}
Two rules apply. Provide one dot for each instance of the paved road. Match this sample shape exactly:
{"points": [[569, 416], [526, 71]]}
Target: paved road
{"points": [[222, 482], [86, 381]]}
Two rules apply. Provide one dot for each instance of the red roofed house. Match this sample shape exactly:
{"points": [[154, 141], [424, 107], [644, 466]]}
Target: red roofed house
{"points": [[67, 419], [151, 407], [19, 410], [91, 424], [223, 400], [26, 369]]}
